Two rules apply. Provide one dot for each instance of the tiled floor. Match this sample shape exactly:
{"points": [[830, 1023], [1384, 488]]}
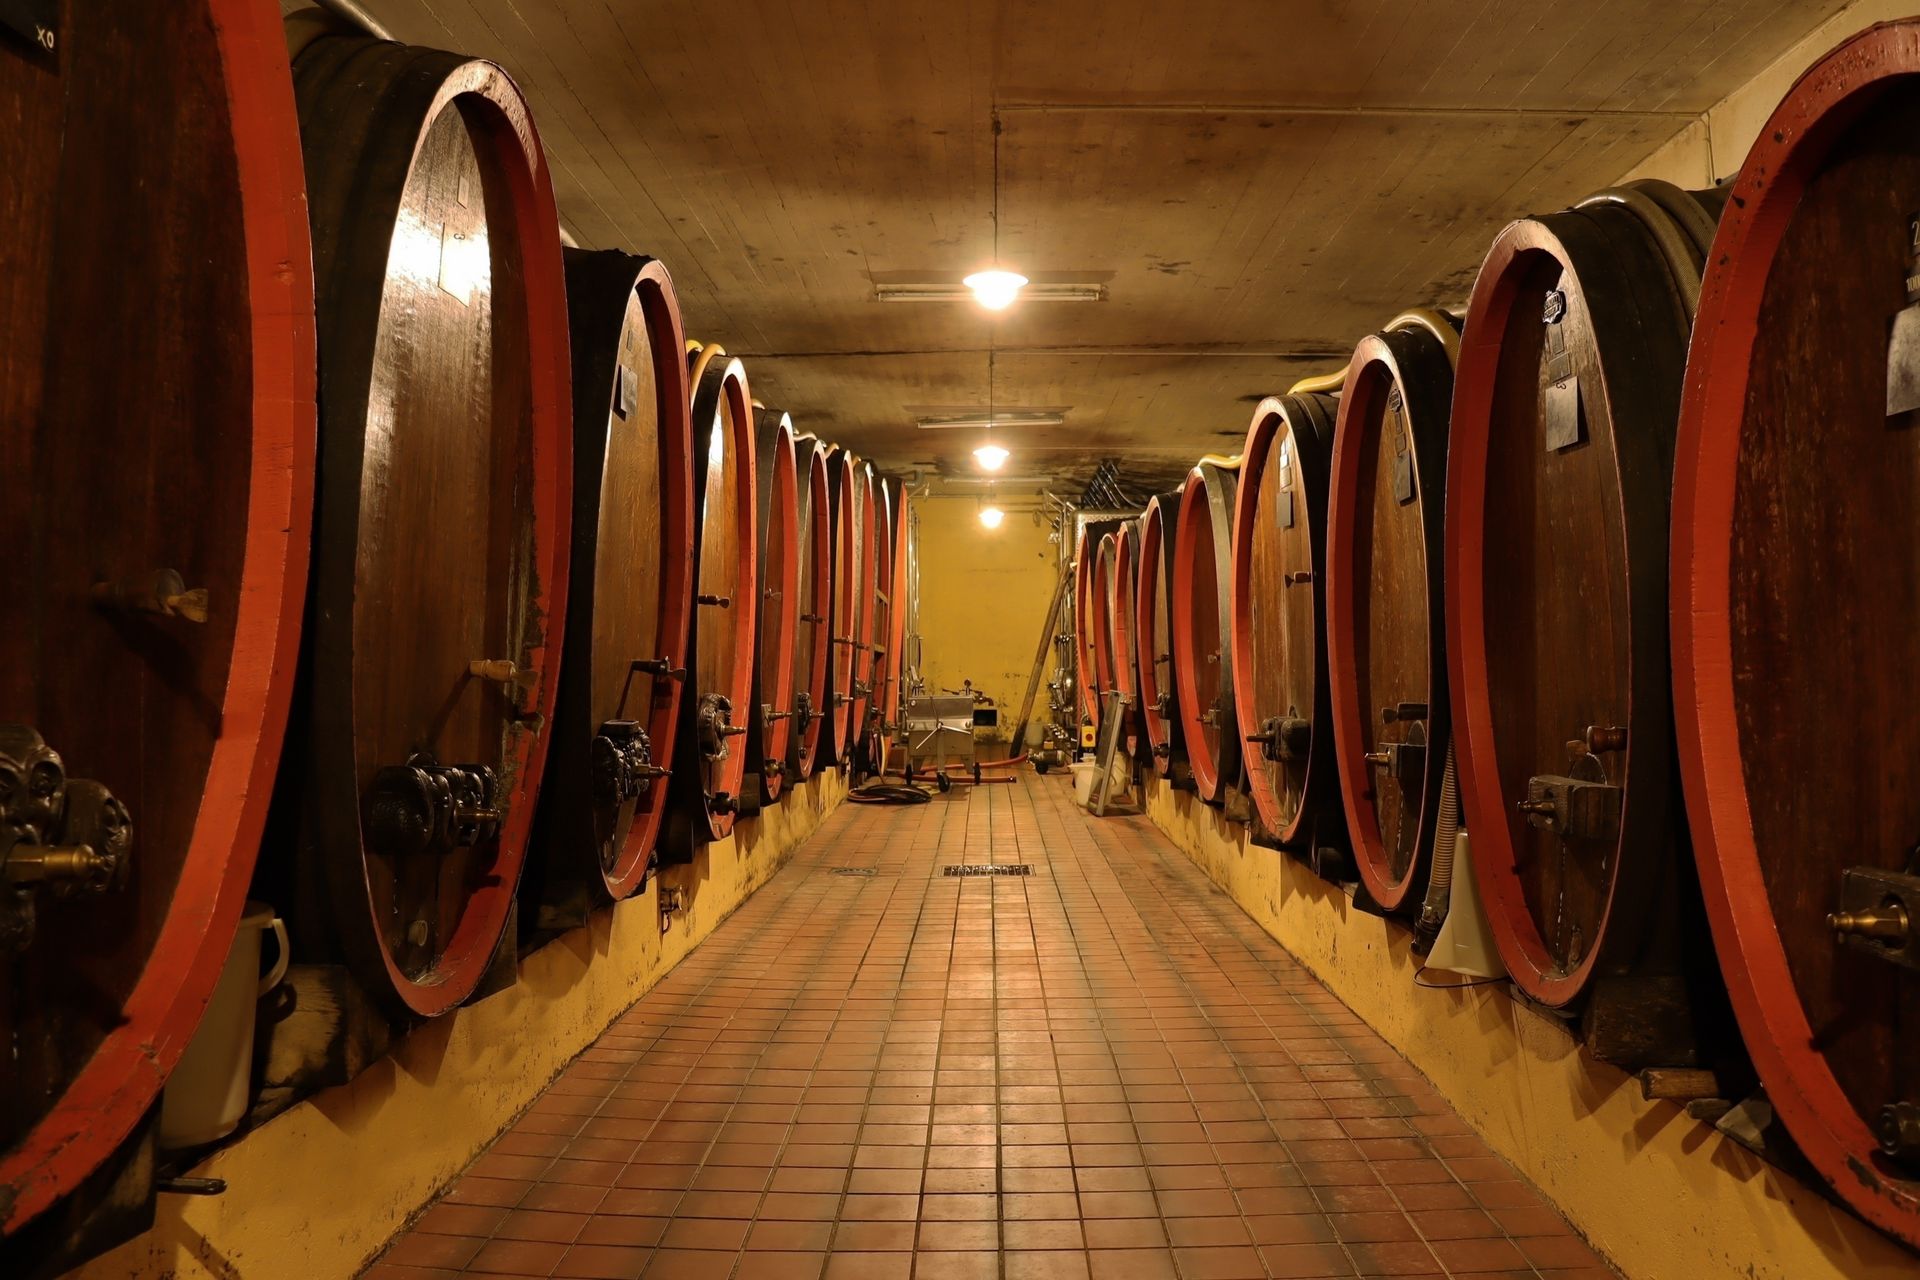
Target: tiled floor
{"points": [[1103, 1069]]}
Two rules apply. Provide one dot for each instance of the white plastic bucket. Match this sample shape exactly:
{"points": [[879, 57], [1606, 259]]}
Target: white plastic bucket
{"points": [[1084, 772], [207, 1094]]}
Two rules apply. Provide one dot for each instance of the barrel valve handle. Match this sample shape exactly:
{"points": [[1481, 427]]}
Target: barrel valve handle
{"points": [[162, 593], [718, 602], [660, 667]]}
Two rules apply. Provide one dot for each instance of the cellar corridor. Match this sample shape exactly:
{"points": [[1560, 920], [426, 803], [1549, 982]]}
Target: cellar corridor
{"points": [[1100, 1068]]}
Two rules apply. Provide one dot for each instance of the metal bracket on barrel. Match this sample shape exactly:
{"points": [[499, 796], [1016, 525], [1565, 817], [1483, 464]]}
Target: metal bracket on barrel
{"points": [[1580, 804], [58, 835], [1879, 914], [1404, 761], [1284, 738]]}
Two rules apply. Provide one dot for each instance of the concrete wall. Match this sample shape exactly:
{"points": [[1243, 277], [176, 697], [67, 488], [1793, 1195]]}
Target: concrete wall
{"points": [[983, 597], [1662, 1196], [318, 1190], [1713, 147]]}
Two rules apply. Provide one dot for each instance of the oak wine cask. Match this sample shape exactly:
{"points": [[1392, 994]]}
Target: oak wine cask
{"points": [[770, 726], [1796, 597], [710, 763], [1154, 637], [157, 426], [625, 653], [441, 552], [1278, 651], [1385, 603], [813, 612], [1559, 473]]}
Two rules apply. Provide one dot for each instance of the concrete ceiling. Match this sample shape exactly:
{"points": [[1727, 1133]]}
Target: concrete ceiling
{"points": [[1255, 183]]}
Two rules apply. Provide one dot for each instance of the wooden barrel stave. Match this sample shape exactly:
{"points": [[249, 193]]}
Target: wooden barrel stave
{"points": [[813, 615], [1385, 606], [710, 752], [1159, 701], [204, 283], [632, 571], [1124, 575], [1793, 609], [1556, 623], [770, 725], [1278, 646], [1202, 627]]}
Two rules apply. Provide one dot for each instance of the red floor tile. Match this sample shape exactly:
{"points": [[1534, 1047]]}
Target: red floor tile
{"points": [[1101, 1070]]}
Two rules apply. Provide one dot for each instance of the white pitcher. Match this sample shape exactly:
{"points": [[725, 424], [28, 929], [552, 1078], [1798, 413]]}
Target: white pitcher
{"points": [[207, 1094]]}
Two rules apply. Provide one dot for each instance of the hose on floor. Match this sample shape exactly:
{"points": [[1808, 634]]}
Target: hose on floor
{"points": [[888, 793]]}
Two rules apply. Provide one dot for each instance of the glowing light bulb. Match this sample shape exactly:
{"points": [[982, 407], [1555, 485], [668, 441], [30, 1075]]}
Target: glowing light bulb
{"points": [[995, 290], [991, 457], [992, 516]]}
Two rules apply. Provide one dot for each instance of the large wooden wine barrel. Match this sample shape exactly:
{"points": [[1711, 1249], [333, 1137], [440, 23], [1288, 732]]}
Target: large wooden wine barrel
{"points": [[1559, 465], [1087, 615], [444, 500], [873, 735], [770, 727], [625, 652], [1386, 659], [1796, 575], [710, 754], [868, 520], [899, 589], [813, 612], [1124, 575], [1101, 622], [1201, 609], [157, 420], [1279, 645], [843, 621], [1154, 635]]}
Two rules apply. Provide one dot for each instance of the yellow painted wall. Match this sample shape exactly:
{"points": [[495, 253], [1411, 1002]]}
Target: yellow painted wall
{"points": [[983, 596], [1662, 1196], [317, 1191]]}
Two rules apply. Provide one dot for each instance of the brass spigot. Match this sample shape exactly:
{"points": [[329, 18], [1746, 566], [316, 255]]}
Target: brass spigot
{"points": [[58, 865], [1887, 922]]}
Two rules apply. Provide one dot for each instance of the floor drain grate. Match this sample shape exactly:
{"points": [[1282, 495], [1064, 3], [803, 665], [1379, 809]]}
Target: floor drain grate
{"points": [[988, 869], [854, 871]]}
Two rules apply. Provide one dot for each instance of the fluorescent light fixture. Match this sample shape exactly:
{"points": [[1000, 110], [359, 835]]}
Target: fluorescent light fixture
{"points": [[937, 292], [982, 422], [995, 290], [991, 457], [992, 516]]}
